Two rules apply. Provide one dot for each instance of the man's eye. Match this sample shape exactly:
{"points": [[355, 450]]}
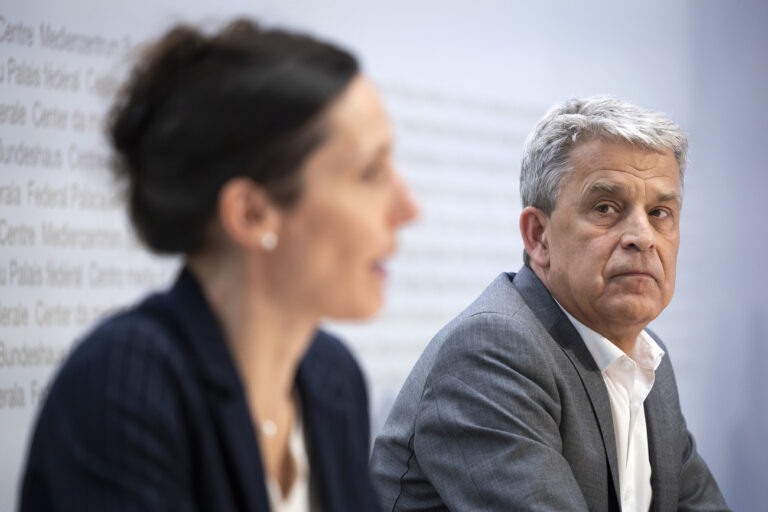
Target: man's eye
{"points": [[605, 208], [658, 212]]}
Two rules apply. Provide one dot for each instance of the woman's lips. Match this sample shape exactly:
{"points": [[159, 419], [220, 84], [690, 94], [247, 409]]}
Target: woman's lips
{"points": [[379, 268]]}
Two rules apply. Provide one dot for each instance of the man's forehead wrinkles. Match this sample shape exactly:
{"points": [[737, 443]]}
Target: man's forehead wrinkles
{"points": [[609, 172], [657, 192]]}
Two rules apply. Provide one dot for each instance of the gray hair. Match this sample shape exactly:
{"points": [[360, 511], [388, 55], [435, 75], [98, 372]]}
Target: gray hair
{"points": [[545, 156]]}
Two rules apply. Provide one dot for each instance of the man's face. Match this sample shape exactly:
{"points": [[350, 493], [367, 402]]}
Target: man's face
{"points": [[613, 237]]}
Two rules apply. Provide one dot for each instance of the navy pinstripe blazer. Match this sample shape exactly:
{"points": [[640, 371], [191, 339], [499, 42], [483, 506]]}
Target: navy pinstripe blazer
{"points": [[148, 413]]}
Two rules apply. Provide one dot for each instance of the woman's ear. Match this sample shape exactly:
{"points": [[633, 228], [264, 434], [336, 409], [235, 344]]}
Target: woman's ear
{"points": [[533, 228], [246, 212]]}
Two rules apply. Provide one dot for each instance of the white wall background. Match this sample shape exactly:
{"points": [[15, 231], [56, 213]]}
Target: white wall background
{"points": [[465, 82]]}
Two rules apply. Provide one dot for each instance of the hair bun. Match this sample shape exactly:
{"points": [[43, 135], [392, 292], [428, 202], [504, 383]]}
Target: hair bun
{"points": [[151, 81], [198, 110]]}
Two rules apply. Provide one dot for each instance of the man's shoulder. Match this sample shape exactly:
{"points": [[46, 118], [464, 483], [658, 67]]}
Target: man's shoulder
{"points": [[497, 325], [500, 311], [495, 345], [499, 297]]}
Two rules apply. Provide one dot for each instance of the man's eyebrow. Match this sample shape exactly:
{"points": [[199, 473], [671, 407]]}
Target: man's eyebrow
{"points": [[615, 189], [668, 197], [604, 187]]}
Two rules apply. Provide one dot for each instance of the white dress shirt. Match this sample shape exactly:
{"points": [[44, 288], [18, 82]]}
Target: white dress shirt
{"points": [[628, 380]]}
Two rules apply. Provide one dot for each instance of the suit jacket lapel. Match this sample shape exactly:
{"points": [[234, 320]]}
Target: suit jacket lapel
{"points": [[207, 348], [325, 431], [659, 419], [564, 333], [240, 445]]}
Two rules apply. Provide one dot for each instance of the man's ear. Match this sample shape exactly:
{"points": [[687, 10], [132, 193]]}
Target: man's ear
{"points": [[246, 212], [533, 227]]}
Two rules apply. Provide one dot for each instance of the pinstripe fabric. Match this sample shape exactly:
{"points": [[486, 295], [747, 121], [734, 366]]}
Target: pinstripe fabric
{"points": [[148, 414]]}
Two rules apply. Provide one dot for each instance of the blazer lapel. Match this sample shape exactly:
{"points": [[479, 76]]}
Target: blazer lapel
{"points": [[224, 392], [325, 431], [241, 451], [659, 423], [564, 333]]}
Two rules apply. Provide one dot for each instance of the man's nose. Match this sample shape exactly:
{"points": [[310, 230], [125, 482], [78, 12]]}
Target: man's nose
{"points": [[638, 233]]}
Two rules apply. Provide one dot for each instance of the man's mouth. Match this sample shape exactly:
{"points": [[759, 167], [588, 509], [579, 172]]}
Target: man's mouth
{"points": [[637, 274]]}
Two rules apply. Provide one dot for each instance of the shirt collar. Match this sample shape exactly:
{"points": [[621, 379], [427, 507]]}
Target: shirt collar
{"points": [[646, 353]]}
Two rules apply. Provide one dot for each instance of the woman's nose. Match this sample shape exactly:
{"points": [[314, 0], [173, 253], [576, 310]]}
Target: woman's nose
{"points": [[404, 206]]}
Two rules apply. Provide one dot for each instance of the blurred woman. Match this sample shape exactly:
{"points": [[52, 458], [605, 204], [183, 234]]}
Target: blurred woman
{"points": [[263, 157]]}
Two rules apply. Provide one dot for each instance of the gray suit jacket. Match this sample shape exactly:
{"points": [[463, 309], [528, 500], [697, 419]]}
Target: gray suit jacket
{"points": [[507, 410]]}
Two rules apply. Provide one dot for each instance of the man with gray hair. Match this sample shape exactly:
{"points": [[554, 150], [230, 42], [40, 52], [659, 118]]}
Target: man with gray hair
{"points": [[548, 392]]}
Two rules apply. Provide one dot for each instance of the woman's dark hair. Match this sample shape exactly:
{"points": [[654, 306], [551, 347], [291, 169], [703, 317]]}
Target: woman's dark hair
{"points": [[199, 110]]}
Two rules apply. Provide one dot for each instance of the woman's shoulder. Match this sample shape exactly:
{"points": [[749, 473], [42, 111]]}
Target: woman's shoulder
{"points": [[120, 408], [330, 369], [134, 332], [328, 350], [130, 356]]}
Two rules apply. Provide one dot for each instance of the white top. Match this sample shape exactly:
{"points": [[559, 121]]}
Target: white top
{"points": [[628, 380], [298, 498]]}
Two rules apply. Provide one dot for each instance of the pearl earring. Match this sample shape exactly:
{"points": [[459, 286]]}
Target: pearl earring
{"points": [[268, 241]]}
